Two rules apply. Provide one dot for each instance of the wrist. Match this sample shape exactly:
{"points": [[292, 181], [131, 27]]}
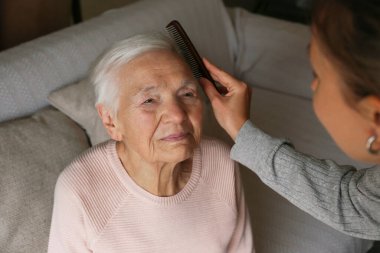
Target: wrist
{"points": [[235, 129]]}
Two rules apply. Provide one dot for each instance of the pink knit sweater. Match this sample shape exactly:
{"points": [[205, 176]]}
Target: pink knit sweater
{"points": [[99, 208]]}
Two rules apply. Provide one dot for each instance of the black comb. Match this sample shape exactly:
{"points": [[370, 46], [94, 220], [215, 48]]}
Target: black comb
{"points": [[190, 54]]}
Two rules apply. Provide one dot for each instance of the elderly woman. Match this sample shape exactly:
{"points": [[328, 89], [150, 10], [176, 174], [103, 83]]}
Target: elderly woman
{"points": [[157, 186]]}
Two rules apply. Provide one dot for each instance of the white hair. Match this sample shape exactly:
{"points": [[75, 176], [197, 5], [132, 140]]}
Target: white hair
{"points": [[104, 74]]}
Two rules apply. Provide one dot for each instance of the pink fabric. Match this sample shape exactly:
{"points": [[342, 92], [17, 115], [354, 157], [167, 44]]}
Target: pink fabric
{"points": [[99, 208]]}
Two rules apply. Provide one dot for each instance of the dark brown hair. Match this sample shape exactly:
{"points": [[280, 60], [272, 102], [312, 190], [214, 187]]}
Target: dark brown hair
{"points": [[348, 32]]}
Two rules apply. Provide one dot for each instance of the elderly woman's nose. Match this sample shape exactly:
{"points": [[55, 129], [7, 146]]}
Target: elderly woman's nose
{"points": [[174, 110]]}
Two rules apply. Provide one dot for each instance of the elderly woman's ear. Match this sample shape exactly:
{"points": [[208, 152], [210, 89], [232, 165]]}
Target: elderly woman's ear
{"points": [[108, 122]]}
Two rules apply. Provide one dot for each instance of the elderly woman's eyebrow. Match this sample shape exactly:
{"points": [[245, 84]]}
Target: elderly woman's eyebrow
{"points": [[188, 82], [143, 90], [147, 89]]}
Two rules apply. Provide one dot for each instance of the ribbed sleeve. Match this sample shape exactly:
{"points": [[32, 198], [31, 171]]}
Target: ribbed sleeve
{"points": [[340, 196], [99, 208]]}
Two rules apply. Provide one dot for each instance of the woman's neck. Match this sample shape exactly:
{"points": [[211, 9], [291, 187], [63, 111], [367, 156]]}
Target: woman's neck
{"points": [[160, 179]]}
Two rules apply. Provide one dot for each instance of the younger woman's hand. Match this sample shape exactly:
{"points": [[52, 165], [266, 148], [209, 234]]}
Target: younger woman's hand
{"points": [[232, 109]]}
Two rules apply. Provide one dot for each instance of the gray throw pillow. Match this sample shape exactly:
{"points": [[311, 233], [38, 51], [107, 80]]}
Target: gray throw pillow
{"points": [[33, 151], [77, 101]]}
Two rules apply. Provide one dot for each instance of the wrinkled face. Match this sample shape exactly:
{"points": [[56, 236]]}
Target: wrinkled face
{"points": [[347, 126], [160, 108]]}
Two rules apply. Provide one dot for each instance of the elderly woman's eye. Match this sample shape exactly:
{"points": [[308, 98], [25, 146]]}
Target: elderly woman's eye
{"points": [[189, 94], [149, 101]]}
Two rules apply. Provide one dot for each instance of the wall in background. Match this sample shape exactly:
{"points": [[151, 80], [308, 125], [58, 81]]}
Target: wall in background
{"points": [[23, 20], [250, 5], [92, 8]]}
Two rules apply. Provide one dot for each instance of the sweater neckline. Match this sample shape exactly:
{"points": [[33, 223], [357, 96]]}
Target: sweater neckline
{"points": [[139, 192]]}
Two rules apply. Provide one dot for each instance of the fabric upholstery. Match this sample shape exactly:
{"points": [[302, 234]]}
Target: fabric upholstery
{"points": [[31, 71], [33, 151], [273, 53], [77, 101]]}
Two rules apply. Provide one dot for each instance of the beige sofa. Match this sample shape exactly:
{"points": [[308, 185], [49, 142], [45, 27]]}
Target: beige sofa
{"points": [[37, 140]]}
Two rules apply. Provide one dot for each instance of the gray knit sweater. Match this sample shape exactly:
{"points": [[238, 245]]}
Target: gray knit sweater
{"points": [[343, 197]]}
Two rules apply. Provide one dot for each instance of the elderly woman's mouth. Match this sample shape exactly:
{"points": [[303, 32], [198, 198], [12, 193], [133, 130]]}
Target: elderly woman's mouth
{"points": [[176, 137]]}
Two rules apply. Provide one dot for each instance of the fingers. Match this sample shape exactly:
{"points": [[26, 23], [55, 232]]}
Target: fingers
{"points": [[220, 76], [209, 89]]}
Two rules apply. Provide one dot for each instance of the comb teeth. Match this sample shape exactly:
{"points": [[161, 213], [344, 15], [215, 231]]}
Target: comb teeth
{"points": [[185, 51], [190, 54]]}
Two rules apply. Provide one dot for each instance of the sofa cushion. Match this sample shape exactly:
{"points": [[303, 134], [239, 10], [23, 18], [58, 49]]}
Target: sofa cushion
{"points": [[31, 71], [33, 151], [272, 53]]}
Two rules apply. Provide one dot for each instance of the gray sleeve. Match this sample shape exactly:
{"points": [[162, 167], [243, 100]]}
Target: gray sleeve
{"points": [[340, 196]]}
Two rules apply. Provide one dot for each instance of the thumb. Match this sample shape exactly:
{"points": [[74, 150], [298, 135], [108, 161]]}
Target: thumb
{"points": [[209, 89]]}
